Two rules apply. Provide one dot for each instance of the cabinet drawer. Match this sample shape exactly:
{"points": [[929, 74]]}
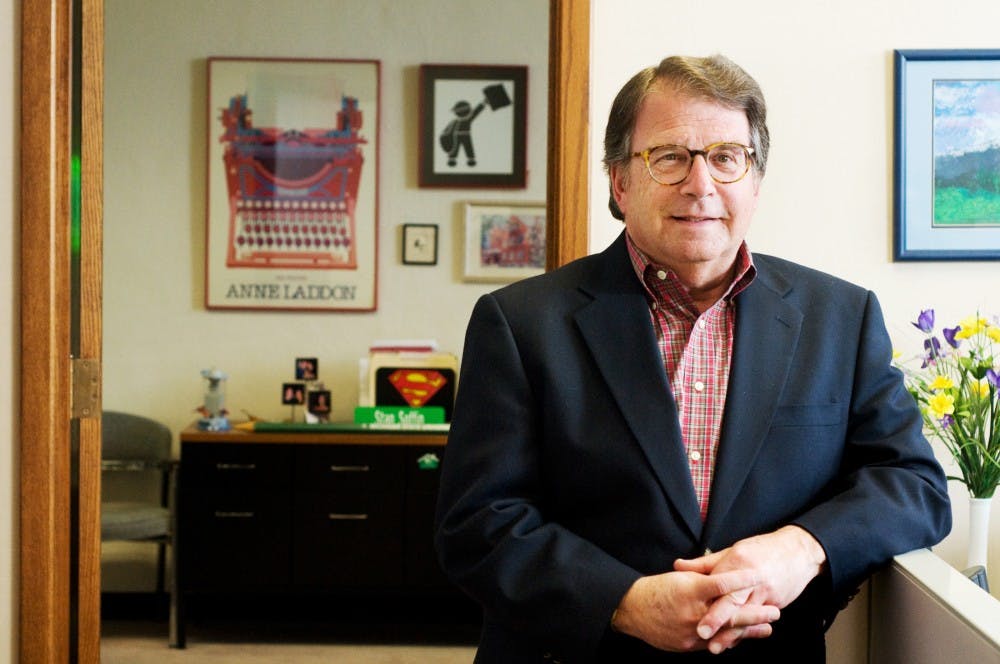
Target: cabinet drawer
{"points": [[234, 467], [347, 540], [234, 540], [348, 468]]}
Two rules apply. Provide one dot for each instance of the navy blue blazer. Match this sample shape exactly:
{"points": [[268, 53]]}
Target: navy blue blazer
{"points": [[565, 477]]}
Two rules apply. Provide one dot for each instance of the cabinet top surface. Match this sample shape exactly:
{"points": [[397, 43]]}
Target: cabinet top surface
{"points": [[346, 434]]}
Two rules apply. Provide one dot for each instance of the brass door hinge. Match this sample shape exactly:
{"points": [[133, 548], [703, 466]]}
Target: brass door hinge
{"points": [[85, 400]]}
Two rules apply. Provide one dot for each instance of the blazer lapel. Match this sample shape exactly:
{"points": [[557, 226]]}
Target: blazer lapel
{"points": [[767, 330], [617, 328]]}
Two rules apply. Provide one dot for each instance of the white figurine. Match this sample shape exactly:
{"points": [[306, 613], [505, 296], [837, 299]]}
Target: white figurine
{"points": [[213, 409]]}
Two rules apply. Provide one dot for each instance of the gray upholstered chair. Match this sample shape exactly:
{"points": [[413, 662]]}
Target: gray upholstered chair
{"points": [[132, 443]]}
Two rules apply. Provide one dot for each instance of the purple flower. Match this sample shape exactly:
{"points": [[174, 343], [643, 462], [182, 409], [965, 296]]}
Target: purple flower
{"points": [[925, 321], [933, 350], [947, 421], [949, 335], [993, 377]]}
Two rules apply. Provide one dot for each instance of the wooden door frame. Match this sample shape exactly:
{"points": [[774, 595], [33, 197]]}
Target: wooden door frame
{"points": [[44, 463], [46, 581], [568, 170]]}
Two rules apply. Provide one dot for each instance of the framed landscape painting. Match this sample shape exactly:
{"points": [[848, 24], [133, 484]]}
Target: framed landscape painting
{"points": [[947, 155]]}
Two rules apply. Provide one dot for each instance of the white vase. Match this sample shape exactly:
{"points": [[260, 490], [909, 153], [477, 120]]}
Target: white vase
{"points": [[979, 530]]}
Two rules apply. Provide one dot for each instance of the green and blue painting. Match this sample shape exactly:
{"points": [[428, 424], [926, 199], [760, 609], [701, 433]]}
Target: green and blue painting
{"points": [[967, 153]]}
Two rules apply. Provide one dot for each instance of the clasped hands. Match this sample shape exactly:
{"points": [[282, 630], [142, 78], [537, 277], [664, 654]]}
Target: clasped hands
{"points": [[715, 601]]}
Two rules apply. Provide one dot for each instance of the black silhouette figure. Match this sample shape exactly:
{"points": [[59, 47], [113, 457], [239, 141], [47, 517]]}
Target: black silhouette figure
{"points": [[457, 136]]}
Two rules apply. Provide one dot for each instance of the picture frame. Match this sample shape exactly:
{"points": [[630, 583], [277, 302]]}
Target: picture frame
{"points": [[946, 196], [292, 154], [420, 244], [319, 404], [473, 126], [293, 394], [306, 368], [504, 242]]}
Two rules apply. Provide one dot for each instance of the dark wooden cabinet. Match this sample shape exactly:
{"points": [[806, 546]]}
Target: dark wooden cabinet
{"points": [[308, 513]]}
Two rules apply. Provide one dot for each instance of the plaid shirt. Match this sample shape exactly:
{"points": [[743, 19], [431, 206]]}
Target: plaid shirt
{"points": [[696, 350]]}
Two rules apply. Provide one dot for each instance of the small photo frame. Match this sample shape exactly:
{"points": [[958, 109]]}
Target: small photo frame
{"points": [[947, 146], [293, 394], [420, 244], [504, 242], [306, 368], [473, 126], [319, 403]]}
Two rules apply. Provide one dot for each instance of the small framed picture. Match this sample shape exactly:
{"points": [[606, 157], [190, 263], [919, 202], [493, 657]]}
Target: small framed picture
{"points": [[420, 244], [306, 368], [293, 394], [473, 126], [319, 403], [504, 242]]}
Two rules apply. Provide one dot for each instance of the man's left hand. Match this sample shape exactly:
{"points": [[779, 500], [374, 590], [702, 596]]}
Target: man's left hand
{"points": [[785, 560]]}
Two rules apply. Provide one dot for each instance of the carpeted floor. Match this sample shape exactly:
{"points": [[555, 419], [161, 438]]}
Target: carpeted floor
{"points": [[145, 642], [134, 631]]}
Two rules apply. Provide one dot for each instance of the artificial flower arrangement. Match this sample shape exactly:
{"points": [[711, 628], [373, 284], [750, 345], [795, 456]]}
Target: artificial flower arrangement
{"points": [[957, 388]]}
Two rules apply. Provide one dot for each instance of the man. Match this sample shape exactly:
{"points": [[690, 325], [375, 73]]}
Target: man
{"points": [[675, 448]]}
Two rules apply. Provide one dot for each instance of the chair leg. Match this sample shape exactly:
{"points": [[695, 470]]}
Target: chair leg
{"points": [[161, 563], [178, 636]]}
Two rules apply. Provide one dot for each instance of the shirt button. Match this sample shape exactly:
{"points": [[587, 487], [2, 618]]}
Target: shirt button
{"points": [[701, 323], [654, 306], [699, 386], [695, 455], [661, 275]]}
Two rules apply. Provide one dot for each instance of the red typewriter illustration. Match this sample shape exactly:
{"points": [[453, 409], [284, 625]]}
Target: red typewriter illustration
{"points": [[292, 192]]}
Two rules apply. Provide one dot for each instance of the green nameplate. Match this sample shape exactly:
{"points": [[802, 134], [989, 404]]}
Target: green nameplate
{"points": [[399, 415]]}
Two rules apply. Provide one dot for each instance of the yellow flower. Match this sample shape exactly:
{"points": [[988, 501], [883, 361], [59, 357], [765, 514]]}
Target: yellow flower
{"points": [[942, 383], [971, 326], [941, 405], [980, 388], [896, 354], [993, 332]]}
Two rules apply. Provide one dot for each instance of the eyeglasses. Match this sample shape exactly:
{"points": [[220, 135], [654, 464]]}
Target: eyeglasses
{"points": [[671, 164]]}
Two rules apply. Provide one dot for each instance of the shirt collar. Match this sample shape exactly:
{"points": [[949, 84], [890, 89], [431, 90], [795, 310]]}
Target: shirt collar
{"points": [[744, 272]]}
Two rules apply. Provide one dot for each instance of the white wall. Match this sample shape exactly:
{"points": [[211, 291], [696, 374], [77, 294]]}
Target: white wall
{"points": [[826, 71], [10, 19], [157, 333]]}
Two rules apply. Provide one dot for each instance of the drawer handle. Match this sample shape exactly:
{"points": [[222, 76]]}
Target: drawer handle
{"points": [[233, 515], [350, 469], [334, 516], [236, 466]]}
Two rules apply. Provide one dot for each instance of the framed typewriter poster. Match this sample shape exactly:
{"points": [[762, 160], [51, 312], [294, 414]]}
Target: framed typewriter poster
{"points": [[292, 196]]}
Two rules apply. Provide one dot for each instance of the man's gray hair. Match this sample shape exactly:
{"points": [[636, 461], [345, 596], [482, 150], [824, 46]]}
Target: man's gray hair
{"points": [[715, 78]]}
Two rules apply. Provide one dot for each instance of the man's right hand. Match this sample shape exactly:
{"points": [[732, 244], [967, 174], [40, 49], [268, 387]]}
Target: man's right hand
{"points": [[664, 610]]}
